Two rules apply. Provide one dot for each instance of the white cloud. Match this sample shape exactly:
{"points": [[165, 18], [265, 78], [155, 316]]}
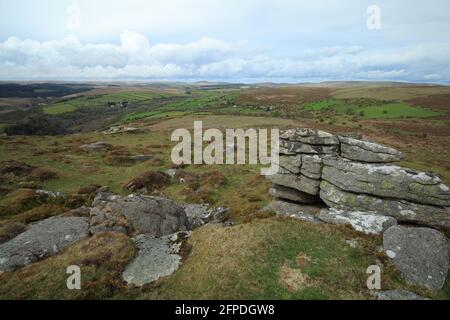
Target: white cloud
{"points": [[212, 59]]}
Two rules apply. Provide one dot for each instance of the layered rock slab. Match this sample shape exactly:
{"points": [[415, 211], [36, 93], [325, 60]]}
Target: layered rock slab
{"points": [[366, 151], [365, 222], [386, 181], [402, 210]]}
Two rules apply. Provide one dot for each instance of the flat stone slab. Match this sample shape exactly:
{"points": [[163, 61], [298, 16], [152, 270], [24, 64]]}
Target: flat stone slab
{"points": [[295, 211], [42, 239], [420, 254], [366, 151], [310, 136], [402, 210], [396, 295], [386, 181], [294, 147], [365, 222], [298, 182], [157, 258]]}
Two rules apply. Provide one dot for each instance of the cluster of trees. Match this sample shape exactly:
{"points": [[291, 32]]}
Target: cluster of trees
{"points": [[37, 125]]}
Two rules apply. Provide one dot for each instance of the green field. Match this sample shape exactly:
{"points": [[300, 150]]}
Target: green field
{"points": [[391, 110], [200, 101], [100, 100]]}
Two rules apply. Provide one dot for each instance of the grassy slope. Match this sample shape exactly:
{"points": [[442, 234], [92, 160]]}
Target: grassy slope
{"points": [[244, 261], [101, 100], [380, 111]]}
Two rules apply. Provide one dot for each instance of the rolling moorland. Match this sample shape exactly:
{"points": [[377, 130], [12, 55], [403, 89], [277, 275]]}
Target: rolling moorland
{"points": [[45, 125]]}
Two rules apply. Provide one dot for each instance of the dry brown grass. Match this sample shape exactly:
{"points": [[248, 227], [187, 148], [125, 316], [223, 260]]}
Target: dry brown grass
{"points": [[151, 180], [284, 95], [102, 258], [42, 174], [293, 279], [9, 230]]}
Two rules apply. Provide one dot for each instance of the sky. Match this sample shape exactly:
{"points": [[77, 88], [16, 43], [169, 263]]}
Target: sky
{"points": [[225, 40]]}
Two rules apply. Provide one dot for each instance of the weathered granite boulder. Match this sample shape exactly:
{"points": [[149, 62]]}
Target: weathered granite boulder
{"points": [[298, 182], [402, 210], [356, 176], [137, 214], [310, 136], [386, 181], [396, 295], [282, 192], [365, 151], [311, 166], [294, 147], [295, 211], [420, 254], [200, 214], [365, 222], [156, 258], [40, 240], [291, 164]]}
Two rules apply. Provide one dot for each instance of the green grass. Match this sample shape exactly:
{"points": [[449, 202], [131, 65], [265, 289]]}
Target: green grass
{"points": [[245, 262], [100, 100], [242, 262], [382, 110], [201, 101]]}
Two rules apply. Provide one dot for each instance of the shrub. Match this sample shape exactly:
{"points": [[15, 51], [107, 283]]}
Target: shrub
{"points": [[42, 174], [151, 180]]}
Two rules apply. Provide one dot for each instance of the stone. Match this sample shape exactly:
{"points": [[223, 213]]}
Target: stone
{"points": [[353, 243], [282, 192], [310, 136], [291, 163], [171, 172], [402, 210], [420, 254], [51, 194], [311, 166], [396, 295], [365, 222], [295, 211], [156, 258], [366, 151], [42, 239], [137, 214], [96, 146], [200, 214], [294, 147], [141, 158], [123, 129], [298, 182], [386, 181]]}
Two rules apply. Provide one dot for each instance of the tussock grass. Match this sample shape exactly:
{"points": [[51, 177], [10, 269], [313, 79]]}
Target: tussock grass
{"points": [[101, 258]]}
